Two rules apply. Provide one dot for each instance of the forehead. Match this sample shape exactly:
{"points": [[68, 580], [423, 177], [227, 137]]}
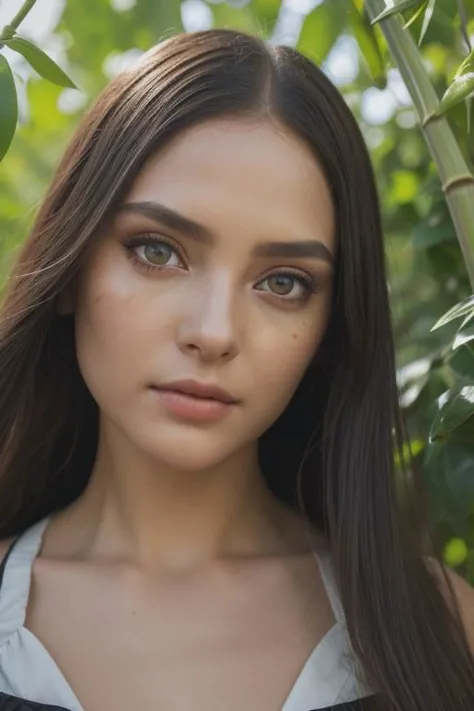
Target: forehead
{"points": [[241, 171]]}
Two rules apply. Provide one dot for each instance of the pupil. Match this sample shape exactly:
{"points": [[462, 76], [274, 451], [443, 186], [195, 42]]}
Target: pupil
{"points": [[158, 253], [281, 284]]}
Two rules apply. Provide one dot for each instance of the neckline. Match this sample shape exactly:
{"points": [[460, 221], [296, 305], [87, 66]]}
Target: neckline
{"points": [[322, 664]]}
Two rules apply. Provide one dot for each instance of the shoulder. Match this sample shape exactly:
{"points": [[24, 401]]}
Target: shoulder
{"points": [[451, 583]]}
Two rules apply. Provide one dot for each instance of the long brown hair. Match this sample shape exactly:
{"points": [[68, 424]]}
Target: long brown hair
{"points": [[331, 453]]}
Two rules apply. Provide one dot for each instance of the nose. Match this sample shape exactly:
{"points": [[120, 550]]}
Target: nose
{"points": [[208, 328]]}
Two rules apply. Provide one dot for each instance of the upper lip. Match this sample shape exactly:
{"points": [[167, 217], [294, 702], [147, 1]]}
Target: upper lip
{"points": [[198, 389]]}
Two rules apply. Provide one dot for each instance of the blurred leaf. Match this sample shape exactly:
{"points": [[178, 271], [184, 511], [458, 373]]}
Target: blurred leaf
{"points": [[467, 66], [427, 19], [464, 335], [455, 552], [418, 13], [267, 12], [462, 362], [238, 18], [40, 61], [434, 229], [8, 106], [449, 476], [409, 451], [460, 89], [320, 31], [400, 6], [455, 407], [462, 86], [464, 23], [405, 186], [368, 43], [462, 309]]}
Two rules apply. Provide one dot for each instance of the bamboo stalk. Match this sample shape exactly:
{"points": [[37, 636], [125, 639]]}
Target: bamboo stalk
{"points": [[9, 30], [456, 178], [21, 14]]}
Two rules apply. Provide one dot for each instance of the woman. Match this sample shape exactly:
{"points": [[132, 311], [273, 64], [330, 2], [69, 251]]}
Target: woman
{"points": [[198, 400]]}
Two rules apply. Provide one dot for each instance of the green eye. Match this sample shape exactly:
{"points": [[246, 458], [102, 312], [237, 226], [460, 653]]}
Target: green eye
{"points": [[281, 284], [159, 254], [288, 286]]}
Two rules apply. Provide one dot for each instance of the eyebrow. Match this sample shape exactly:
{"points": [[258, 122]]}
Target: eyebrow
{"points": [[194, 230]]}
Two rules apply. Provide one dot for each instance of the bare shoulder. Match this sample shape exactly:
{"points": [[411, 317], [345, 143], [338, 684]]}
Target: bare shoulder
{"points": [[464, 594]]}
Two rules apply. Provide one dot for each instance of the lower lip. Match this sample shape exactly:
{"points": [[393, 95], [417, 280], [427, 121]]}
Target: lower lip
{"points": [[192, 408]]}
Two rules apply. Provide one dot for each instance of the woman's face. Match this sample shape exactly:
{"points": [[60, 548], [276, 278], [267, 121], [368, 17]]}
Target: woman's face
{"points": [[217, 269]]}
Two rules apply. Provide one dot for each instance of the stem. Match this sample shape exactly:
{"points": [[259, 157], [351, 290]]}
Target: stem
{"points": [[456, 178], [10, 29]]}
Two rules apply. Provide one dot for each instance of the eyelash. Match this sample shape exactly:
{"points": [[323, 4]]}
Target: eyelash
{"points": [[308, 282]]}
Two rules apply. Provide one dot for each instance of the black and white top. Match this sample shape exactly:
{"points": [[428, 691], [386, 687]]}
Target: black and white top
{"points": [[30, 679]]}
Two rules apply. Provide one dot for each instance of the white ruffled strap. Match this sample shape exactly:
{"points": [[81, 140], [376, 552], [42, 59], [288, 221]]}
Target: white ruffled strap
{"points": [[16, 581]]}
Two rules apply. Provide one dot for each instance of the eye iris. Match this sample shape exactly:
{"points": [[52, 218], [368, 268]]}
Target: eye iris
{"points": [[158, 253], [281, 284]]}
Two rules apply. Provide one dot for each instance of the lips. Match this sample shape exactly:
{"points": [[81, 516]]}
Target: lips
{"points": [[199, 390], [192, 401]]}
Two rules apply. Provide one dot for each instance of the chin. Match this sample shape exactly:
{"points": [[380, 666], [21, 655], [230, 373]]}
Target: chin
{"points": [[188, 452]]}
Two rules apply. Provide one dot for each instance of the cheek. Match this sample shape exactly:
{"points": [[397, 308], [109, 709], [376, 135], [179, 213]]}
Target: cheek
{"points": [[284, 358], [112, 330]]}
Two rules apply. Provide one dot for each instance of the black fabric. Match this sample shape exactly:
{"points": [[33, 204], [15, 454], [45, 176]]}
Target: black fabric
{"points": [[365, 704], [14, 703]]}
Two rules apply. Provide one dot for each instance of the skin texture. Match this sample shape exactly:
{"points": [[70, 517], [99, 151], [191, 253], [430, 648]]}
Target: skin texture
{"points": [[211, 314], [177, 563]]}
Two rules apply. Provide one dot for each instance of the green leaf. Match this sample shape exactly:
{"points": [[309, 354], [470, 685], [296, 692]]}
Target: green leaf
{"points": [[462, 362], [368, 43], [398, 7], [427, 19], [464, 335], [235, 17], [320, 31], [409, 451], [448, 475], [464, 23], [460, 89], [462, 309], [467, 66], [40, 61], [418, 13], [267, 12], [455, 407], [434, 229], [462, 86], [8, 106]]}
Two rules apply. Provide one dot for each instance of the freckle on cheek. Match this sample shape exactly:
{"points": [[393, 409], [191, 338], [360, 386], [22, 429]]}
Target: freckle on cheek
{"points": [[294, 336]]}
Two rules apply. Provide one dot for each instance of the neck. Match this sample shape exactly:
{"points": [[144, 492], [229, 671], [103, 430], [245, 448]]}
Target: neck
{"points": [[140, 510]]}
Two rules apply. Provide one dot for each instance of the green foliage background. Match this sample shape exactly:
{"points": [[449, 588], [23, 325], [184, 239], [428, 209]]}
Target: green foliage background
{"points": [[94, 38]]}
